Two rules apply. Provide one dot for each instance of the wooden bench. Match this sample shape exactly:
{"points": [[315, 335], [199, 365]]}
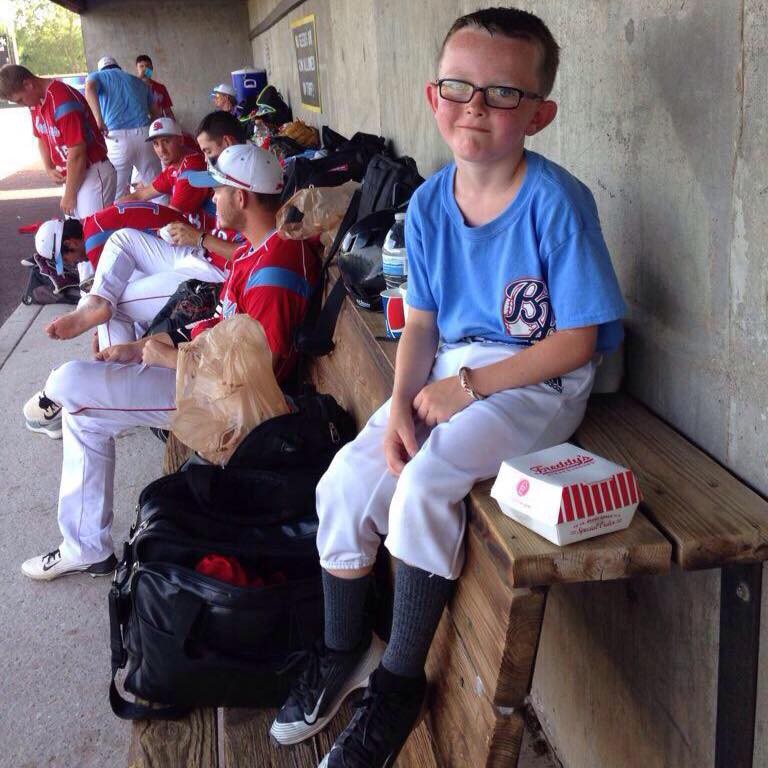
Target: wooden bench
{"points": [[482, 661]]}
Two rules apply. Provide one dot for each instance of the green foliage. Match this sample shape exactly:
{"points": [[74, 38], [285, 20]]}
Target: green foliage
{"points": [[48, 38]]}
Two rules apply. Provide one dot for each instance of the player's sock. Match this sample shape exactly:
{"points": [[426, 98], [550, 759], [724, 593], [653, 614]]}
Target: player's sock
{"points": [[419, 601], [344, 610]]}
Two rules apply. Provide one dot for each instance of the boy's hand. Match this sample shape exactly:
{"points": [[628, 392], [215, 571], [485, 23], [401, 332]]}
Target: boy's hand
{"points": [[120, 353], [438, 401], [57, 177], [400, 439], [158, 354], [183, 234]]}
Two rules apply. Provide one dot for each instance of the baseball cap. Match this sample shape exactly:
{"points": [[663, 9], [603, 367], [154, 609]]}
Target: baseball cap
{"points": [[163, 126], [243, 166], [48, 239], [106, 61], [227, 90]]}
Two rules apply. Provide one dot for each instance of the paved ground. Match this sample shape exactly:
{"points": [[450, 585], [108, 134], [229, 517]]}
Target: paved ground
{"points": [[54, 641]]}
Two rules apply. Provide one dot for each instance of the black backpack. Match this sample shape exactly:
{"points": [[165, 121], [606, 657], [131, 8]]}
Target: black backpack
{"points": [[190, 640], [386, 187], [42, 289], [348, 161], [193, 300]]}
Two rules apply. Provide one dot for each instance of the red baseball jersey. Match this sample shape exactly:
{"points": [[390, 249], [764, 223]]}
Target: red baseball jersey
{"points": [[272, 283], [160, 96], [63, 120], [172, 181], [146, 216]]}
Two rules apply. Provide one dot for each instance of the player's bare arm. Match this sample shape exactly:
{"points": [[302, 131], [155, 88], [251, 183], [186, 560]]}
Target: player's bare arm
{"points": [[186, 234], [77, 165], [415, 355], [92, 97], [160, 352], [143, 193], [557, 355], [54, 175]]}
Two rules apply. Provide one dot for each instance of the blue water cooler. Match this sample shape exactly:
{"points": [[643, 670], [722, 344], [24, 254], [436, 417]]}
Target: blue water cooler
{"points": [[248, 82]]}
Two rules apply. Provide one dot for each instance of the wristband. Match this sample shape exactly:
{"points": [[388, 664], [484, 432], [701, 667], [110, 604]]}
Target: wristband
{"points": [[466, 384]]}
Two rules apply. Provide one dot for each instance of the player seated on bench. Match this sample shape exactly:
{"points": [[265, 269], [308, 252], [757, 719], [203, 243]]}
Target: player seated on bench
{"points": [[134, 384], [511, 291], [136, 272]]}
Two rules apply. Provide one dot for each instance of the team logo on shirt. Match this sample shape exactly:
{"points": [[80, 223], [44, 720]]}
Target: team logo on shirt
{"points": [[44, 129], [527, 310]]}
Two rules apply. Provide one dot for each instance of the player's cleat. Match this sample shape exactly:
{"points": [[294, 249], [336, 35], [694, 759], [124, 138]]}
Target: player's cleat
{"points": [[379, 728], [52, 565], [328, 678], [43, 415]]}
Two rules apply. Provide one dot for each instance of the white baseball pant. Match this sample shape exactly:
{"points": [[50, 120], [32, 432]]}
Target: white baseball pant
{"points": [[128, 149], [422, 512], [97, 190], [137, 273], [100, 401]]}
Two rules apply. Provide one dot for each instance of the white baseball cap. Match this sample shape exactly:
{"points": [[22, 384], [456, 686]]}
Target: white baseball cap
{"points": [[48, 239], [243, 166], [163, 126], [227, 90], [106, 61]]}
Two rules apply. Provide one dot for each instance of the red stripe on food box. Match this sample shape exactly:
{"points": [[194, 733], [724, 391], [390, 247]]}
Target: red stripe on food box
{"points": [[631, 487], [597, 498], [561, 516], [568, 505], [622, 478], [615, 491], [577, 503], [636, 486], [587, 496], [606, 494]]}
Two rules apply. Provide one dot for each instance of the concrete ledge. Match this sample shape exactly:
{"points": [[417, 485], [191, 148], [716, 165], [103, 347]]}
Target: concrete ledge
{"points": [[13, 329]]}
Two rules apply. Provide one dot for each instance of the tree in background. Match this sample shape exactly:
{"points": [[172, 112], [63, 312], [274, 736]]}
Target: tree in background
{"points": [[49, 38]]}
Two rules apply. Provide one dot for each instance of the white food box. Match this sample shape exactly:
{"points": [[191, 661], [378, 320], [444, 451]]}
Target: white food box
{"points": [[567, 494]]}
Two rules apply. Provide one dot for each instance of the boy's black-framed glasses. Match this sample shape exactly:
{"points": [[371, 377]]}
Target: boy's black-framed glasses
{"points": [[495, 96]]}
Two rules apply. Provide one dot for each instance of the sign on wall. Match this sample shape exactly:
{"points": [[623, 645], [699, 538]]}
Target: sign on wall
{"points": [[305, 43]]}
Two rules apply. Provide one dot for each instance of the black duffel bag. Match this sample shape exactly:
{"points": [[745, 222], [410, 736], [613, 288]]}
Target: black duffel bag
{"points": [[189, 640]]}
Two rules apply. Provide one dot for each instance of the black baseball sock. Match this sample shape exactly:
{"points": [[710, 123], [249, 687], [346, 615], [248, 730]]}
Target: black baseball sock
{"points": [[344, 610], [419, 601]]}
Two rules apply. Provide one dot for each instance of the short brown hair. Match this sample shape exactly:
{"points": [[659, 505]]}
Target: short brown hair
{"points": [[12, 78], [514, 23]]}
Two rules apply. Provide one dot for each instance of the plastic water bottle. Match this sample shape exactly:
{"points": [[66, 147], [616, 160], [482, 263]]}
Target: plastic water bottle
{"points": [[393, 254]]}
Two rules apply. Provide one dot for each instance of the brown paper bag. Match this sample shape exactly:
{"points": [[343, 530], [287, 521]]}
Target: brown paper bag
{"points": [[225, 387], [323, 209]]}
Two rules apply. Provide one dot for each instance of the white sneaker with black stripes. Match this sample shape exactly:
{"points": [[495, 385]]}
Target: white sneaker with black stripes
{"points": [[52, 565]]}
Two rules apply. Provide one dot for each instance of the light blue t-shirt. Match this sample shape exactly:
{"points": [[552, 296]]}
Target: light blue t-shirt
{"points": [[124, 100], [539, 266]]}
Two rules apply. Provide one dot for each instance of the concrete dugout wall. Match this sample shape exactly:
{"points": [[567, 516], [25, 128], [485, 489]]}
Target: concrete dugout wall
{"points": [[194, 45], [663, 113]]}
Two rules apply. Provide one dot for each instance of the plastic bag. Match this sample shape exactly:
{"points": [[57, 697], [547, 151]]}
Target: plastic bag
{"points": [[225, 387], [321, 209]]}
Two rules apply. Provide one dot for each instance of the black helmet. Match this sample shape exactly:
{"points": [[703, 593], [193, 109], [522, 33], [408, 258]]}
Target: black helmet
{"points": [[360, 261]]}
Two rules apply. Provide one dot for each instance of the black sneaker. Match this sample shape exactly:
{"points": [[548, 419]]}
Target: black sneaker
{"points": [[329, 677], [380, 726]]}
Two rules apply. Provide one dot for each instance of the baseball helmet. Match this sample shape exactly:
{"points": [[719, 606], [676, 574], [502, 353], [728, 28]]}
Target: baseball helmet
{"points": [[48, 239], [360, 262]]}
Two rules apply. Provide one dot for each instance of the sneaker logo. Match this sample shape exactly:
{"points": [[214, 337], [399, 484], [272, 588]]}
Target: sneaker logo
{"points": [[51, 560], [311, 718]]}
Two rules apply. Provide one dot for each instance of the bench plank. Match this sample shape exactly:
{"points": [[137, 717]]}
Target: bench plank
{"points": [[186, 743], [528, 560], [468, 730], [711, 518]]}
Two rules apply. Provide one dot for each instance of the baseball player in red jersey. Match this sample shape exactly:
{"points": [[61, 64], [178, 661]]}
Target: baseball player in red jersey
{"points": [[71, 146], [134, 384], [160, 96]]}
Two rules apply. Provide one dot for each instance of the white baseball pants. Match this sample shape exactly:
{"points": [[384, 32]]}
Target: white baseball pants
{"points": [[97, 190], [100, 401], [128, 149], [422, 512], [137, 273]]}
